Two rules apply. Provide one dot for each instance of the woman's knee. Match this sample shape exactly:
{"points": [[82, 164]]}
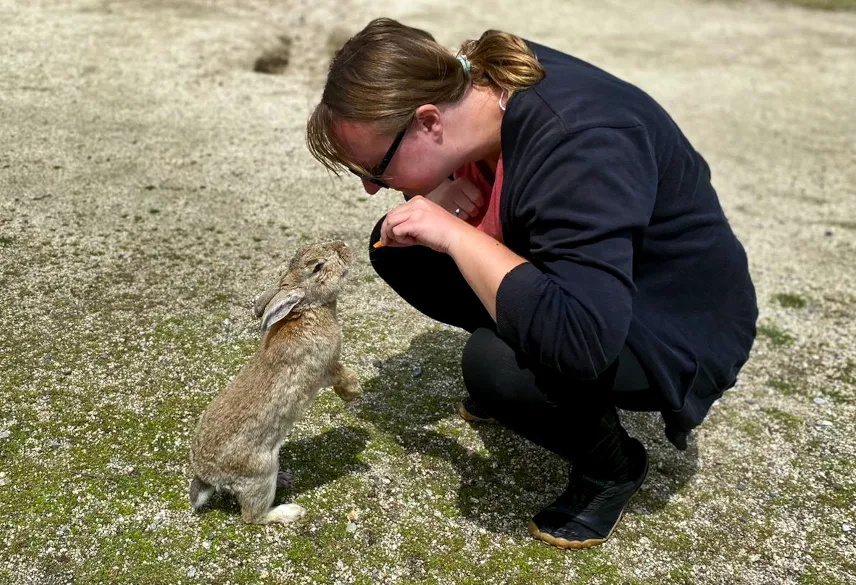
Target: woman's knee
{"points": [[375, 257], [375, 235], [393, 265]]}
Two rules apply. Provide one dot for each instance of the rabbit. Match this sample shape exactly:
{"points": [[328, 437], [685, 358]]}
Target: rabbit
{"points": [[237, 440]]}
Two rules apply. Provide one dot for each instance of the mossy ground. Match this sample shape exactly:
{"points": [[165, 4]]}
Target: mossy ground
{"points": [[154, 185]]}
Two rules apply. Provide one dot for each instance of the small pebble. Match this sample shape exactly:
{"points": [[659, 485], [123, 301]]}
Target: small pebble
{"points": [[417, 371], [846, 527], [819, 400], [5, 434], [191, 573], [825, 423], [206, 544], [742, 487], [47, 359], [55, 444], [377, 363], [351, 528]]}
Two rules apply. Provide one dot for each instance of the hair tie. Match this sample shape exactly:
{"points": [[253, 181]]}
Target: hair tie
{"points": [[465, 63]]}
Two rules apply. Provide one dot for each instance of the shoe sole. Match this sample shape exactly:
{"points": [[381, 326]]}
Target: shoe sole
{"points": [[469, 417], [581, 544], [570, 544]]}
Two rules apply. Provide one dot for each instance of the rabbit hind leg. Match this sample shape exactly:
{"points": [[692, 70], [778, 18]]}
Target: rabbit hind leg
{"points": [[256, 499], [285, 513]]}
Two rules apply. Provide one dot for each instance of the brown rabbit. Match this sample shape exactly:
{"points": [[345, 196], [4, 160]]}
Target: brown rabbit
{"points": [[237, 440]]}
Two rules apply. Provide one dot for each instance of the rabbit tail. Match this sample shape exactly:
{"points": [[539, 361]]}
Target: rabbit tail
{"points": [[199, 492]]}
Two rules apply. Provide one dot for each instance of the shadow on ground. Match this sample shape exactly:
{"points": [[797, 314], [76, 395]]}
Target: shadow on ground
{"points": [[502, 489], [313, 461]]}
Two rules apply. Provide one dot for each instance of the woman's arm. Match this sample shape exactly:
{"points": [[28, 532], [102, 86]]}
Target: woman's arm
{"points": [[484, 263]]}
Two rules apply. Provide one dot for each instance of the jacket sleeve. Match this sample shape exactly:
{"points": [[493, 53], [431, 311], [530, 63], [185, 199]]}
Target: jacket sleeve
{"points": [[570, 306]]}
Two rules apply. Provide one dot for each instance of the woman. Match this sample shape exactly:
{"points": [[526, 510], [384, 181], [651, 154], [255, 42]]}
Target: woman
{"points": [[559, 215]]}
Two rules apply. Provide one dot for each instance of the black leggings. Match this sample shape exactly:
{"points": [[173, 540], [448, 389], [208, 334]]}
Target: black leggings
{"points": [[573, 418]]}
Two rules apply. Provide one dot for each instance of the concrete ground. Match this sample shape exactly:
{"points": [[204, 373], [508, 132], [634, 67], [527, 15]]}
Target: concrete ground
{"points": [[151, 184]]}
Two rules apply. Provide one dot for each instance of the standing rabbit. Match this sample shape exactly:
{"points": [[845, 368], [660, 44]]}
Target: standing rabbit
{"points": [[237, 441]]}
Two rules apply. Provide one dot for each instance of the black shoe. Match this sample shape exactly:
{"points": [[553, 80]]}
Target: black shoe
{"points": [[589, 509], [470, 411]]}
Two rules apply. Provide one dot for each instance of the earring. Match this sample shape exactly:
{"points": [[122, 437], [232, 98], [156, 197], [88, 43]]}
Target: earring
{"points": [[501, 107]]}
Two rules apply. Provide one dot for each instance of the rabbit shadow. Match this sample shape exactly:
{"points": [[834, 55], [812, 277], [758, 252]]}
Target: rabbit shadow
{"points": [[318, 460], [503, 488], [313, 461]]}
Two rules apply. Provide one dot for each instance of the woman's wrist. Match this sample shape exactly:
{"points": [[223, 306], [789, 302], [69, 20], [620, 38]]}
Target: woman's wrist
{"points": [[464, 237]]}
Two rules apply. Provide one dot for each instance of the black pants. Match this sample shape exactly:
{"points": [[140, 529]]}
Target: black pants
{"points": [[573, 418]]}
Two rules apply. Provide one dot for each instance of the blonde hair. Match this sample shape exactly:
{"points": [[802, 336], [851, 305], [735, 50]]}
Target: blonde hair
{"points": [[387, 70]]}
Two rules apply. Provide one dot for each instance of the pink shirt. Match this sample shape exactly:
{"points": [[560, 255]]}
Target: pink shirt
{"points": [[488, 220]]}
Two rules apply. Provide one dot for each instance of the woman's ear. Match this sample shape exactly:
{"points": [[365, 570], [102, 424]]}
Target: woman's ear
{"points": [[430, 120]]}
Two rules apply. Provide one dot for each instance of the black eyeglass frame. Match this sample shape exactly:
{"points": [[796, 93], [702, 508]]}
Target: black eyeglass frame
{"points": [[380, 169]]}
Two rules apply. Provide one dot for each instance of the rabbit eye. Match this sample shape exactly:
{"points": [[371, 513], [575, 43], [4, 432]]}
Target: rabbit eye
{"points": [[318, 267]]}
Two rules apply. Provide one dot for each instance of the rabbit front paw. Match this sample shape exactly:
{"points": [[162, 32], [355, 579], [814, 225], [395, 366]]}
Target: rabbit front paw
{"points": [[348, 393], [346, 384]]}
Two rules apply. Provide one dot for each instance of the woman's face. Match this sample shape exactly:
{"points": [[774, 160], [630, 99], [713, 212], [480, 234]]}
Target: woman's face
{"points": [[420, 163]]}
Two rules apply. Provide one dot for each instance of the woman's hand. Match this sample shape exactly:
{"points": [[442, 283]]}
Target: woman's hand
{"points": [[459, 197], [422, 222]]}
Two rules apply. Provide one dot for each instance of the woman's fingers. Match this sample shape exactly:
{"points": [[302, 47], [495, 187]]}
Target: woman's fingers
{"points": [[459, 197], [471, 193], [392, 234], [419, 221], [467, 207]]}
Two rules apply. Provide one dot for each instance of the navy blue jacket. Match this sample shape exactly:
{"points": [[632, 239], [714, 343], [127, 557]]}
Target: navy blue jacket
{"points": [[626, 241]]}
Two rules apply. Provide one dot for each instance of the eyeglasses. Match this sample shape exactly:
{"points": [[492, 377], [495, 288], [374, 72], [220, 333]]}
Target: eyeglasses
{"points": [[380, 169]]}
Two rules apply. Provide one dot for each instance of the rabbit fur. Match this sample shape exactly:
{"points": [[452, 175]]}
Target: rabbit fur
{"points": [[237, 441]]}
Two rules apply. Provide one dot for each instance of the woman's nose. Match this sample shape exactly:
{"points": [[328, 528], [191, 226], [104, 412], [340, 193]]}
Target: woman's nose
{"points": [[370, 187]]}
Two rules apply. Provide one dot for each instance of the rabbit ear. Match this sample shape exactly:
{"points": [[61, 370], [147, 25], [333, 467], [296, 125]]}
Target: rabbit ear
{"points": [[280, 306], [263, 300]]}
